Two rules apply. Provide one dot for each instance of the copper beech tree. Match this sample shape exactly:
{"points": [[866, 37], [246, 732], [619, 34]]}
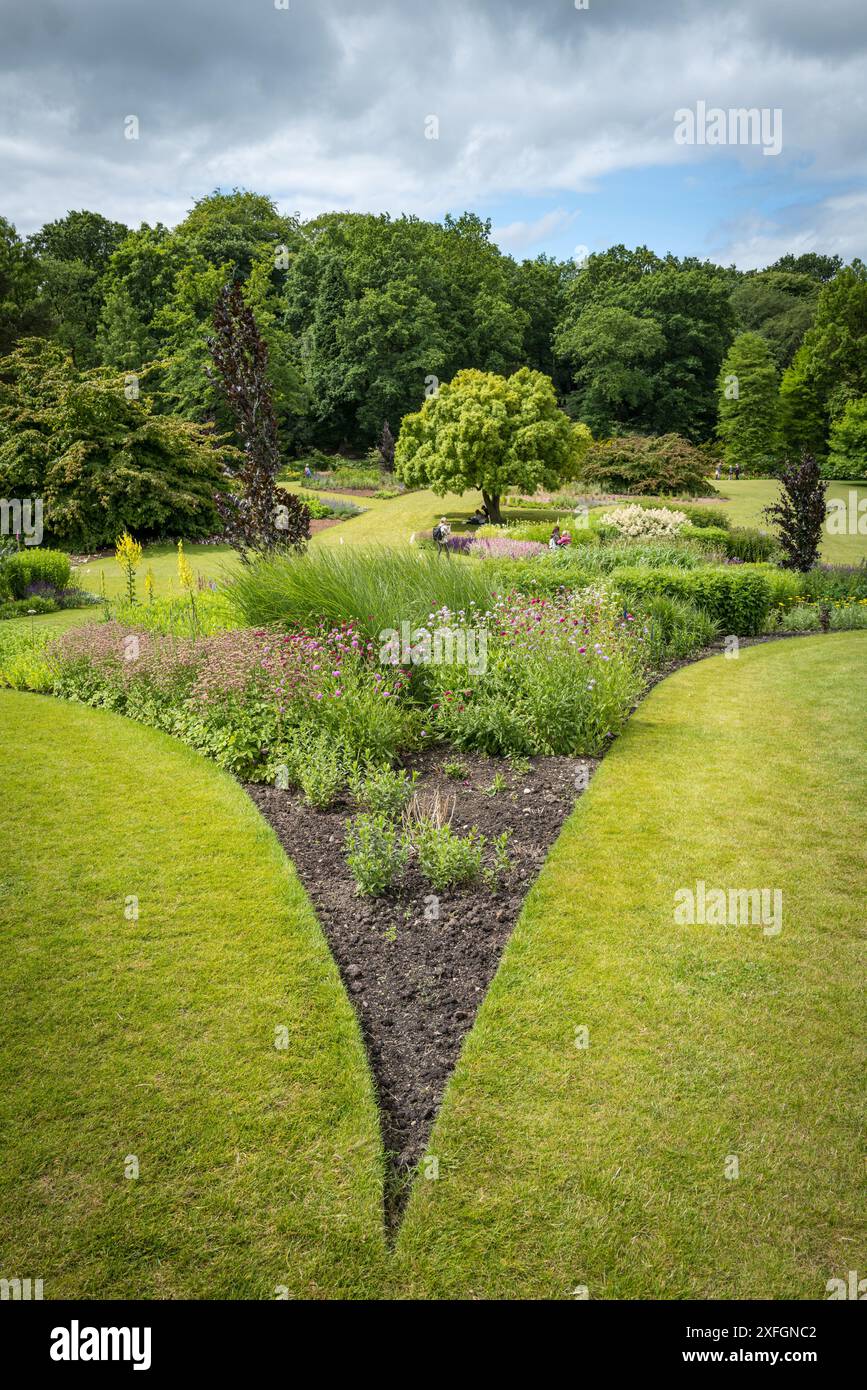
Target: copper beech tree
{"points": [[257, 518]]}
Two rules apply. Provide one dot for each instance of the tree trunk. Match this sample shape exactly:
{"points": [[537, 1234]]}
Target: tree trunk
{"points": [[492, 503]]}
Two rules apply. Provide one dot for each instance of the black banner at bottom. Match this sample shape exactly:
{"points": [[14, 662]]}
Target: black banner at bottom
{"points": [[83, 1339]]}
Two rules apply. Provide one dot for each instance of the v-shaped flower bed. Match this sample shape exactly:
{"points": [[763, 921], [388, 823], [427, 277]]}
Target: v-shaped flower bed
{"points": [[417, 964]]}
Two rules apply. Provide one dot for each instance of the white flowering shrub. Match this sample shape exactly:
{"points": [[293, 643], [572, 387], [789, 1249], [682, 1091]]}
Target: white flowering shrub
{"points": [[645, 522]]}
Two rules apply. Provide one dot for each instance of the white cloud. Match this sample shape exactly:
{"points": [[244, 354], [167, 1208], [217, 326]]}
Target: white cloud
{"points": [[834, 226], [526, 236], [323, 107]]}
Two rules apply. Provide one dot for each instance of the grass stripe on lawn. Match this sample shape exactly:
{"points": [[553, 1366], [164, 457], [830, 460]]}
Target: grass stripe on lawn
{"points": [[563, 1167], [155, 1038]]}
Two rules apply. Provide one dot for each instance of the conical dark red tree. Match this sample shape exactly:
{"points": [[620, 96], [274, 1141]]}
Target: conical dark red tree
{"points": [[257, 517]]}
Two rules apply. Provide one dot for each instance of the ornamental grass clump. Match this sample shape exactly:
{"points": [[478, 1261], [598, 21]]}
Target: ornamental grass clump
{"points": [[373, 588]]}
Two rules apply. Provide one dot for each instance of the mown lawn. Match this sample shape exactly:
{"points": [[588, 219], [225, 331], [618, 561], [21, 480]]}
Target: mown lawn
{"points": [[560, 1167], [605, 1166], [155, 1038], [744, 501]]}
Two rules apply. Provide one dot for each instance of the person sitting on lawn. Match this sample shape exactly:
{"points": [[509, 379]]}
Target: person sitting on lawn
{"points": [[555, 538]]}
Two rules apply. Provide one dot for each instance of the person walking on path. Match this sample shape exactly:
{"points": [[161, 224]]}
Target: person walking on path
{"points": [[441, 533]]}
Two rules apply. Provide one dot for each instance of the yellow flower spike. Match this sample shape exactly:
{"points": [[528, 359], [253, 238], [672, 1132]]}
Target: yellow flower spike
{"points": [[128, 554], [185, 570]]}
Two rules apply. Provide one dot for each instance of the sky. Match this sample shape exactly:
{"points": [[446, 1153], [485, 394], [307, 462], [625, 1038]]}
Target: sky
{"points": [[557, 119]]}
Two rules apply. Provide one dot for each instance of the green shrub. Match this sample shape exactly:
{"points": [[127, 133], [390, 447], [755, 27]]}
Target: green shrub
{"points": [[318, 768], [380, 789], [835, 582], [784, 585], [847, 453], [706, 516], [737, 542], [649, 465], [34, 566], [447, 859], [709, 539], [376, 852], [751, 545], [323, 507], [675, 629], [23, 607], [23, 661], [102, 462], [546, 575], [738, 599], [567, 569]]}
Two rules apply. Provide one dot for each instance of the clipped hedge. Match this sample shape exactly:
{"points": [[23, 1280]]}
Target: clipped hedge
{"points": [[541, 575], [707, 537], [738, 600], [32, 566], [704, 517]]}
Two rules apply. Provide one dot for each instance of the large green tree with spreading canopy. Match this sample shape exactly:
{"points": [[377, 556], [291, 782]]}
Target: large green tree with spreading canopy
{"points": [[489, 432]]}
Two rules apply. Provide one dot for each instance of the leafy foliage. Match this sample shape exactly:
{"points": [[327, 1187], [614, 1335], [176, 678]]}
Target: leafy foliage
{"points": [[799, 514], [737, 599], [488, 432], [748, 405], [256, 519], [847, 457], [33, 565], [645, 337], [101, 460], [661, 465], [22, 308]]}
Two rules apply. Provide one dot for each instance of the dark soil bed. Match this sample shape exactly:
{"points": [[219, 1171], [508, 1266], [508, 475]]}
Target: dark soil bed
{"points": [[416, 983]]}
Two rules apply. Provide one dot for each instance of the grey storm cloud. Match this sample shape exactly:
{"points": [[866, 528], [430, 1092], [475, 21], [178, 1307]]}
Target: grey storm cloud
{"points": [[323, 104]]}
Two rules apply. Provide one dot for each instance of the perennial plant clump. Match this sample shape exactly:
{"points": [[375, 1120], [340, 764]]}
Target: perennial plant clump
{"points": [[246, 698], [645, 523], [561, 675]]}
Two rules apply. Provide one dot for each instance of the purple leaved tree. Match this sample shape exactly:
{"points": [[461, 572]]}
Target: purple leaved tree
{"points": [[258, 518], [799, 514]]}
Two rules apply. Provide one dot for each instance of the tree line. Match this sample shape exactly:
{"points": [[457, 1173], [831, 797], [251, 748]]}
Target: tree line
{"points": [[365, 315]]}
